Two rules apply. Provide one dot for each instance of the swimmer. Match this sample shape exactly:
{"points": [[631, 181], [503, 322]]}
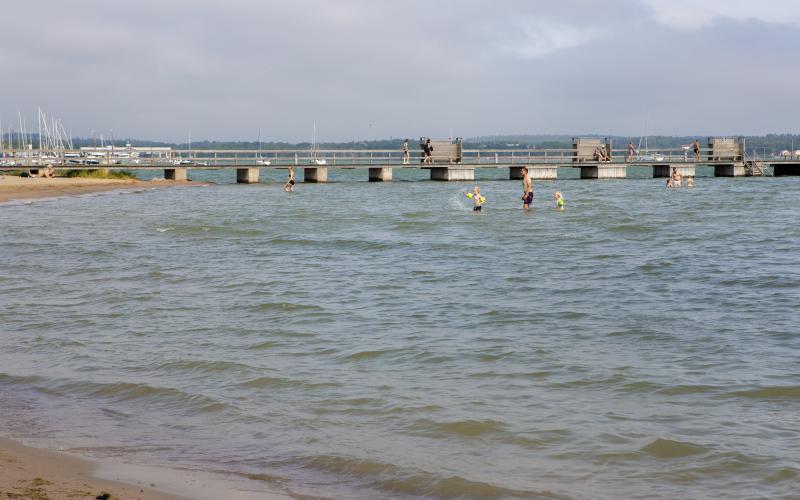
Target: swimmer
{"points": [[669, 182], [527, 189], [476, 198], [690, 182], [559, 200], [676, 178], [289, 186]]}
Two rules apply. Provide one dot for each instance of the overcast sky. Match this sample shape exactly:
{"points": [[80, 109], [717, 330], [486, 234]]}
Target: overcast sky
{"points": [[374, 69]]}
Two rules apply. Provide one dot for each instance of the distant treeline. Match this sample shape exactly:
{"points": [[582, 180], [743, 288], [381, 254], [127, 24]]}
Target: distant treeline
{"points": [[765, 144]]}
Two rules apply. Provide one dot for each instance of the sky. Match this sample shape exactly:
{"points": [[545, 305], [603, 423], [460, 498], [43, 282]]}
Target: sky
{"points": [[374, 69]]}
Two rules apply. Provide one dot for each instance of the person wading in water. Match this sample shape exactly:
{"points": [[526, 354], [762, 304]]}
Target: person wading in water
{"points": [[527, 189]]}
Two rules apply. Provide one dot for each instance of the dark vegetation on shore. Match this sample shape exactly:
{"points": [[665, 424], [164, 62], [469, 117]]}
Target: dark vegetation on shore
{"points": [[96, 174], [82, 174]]}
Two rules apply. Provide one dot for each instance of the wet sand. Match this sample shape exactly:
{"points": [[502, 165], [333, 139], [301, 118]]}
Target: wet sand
{"points": [[25, 188], [34, 473]]}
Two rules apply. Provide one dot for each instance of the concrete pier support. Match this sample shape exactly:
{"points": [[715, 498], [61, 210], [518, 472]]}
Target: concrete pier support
{"points": [[175, 174], [732, 170], [380, 174], [603, 172], [543, 173], [666, 170], [779, 170], [315, 174], [247, 175], [452, 174], [536, 173]]}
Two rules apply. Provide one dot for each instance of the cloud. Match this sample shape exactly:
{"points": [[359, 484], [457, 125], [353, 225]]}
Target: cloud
{"points": [[695, 14], [371, 69], [538, 38]]}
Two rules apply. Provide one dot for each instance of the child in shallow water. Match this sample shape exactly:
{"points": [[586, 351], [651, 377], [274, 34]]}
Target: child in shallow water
{"points": [[559, 200], [476, 198]]}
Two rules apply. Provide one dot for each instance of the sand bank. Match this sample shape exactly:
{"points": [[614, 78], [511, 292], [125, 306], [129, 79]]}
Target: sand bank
{"points": [[23, 188], [32, 473]]}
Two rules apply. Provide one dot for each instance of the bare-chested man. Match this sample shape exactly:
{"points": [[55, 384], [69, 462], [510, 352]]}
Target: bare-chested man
{"points": [[527, 189], [676, 178]]}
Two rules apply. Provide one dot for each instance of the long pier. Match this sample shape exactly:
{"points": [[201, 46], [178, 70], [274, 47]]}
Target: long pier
{"points": [[449, 162]]}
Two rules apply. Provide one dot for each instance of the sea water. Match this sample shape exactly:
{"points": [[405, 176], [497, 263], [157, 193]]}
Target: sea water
{"points": [[383, 341]]}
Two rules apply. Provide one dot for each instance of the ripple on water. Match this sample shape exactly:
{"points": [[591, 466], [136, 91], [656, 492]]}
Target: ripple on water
{"points": [[391, 478], [266, 382], [456, 428], [790, 392], [668, 448], [165, 398]]}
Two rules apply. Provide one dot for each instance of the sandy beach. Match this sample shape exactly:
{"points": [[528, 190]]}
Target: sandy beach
{"points": [[41, 474], [25, 188], [33, 473]]}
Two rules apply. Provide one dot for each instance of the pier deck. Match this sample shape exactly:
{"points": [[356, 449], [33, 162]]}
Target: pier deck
{"points": [[541, 163]]}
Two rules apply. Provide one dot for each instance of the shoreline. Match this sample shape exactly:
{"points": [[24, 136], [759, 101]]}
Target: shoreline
{"points": [[28, 472], [13, 188]]}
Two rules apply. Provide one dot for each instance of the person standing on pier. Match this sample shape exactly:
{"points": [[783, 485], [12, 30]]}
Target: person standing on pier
{"points": [[406, 159], [696, 149], [427, 149], [527, 189], [631, 151], [289, 186]]}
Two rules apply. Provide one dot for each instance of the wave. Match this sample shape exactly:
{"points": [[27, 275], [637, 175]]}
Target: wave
{"points": [[267, 344], [200, 367], [391, 478], [285, 307], [668, 448], [777, 392], [458, 428], [266, 382], [365, 355], [122, 392]]}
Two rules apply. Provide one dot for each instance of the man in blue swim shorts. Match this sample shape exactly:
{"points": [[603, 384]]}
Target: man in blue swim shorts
{"points": [[527, 189]]}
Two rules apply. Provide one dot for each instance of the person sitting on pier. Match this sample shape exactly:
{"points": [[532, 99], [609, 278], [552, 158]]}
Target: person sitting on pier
{"points": [[676, 178], [601, 154], [406, 159], [48, 171], [476, 198]]}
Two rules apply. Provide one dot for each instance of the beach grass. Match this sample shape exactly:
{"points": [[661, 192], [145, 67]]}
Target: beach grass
{"points": [[99, 173]]}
